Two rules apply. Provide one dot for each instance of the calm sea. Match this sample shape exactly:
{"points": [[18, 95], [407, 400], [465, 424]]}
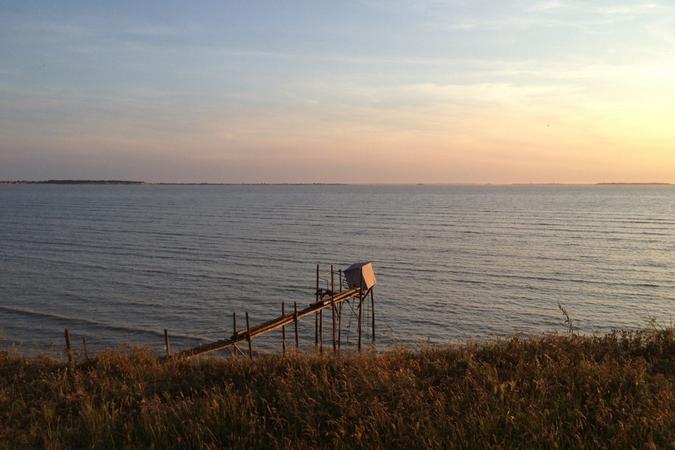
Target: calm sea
{"points": [[121, 263]]}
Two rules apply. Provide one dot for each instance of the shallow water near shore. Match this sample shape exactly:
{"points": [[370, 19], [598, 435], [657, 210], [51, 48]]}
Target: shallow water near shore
{"points": [[121, 263]]}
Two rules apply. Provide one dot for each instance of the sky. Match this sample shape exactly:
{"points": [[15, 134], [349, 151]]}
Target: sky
{"points": [[365, 91]]}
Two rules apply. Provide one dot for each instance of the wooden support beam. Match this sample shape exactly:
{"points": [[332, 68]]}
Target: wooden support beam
{"points": [[283, 330], [332, 308], [238, 350], [339, 334], [69, 350], [339, 337], [234, 333], [248, 338], [317, 295], [372, 312], [316, 331], [167, 347], [84, 348], [321, 331], [295, 323], [360, 308], [359, 322], [333, 313]]}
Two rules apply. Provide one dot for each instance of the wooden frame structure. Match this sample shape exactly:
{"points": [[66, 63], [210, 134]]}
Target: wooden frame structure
{"points": [[324, 299]]}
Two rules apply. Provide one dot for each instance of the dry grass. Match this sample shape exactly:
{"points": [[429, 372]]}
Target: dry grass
{"points": [[614, 391]]}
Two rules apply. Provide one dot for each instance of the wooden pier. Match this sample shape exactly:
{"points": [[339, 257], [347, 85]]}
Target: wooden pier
{"points": [[360, 282]]}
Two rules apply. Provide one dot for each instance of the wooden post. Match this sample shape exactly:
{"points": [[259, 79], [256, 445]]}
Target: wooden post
{"points": [[321, 331], [234, 334], [248, 338], [69, 351], [339, 321], [372, 312], [283, 330], [317, 284], [295, 323], [332, 308], [359, 320], [316, 331], [84, 347], [339, 334], [167, 348], [360, 305], [316, 316]]}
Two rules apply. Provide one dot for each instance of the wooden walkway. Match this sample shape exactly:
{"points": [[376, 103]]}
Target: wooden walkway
{"points": [[327, 299], [360, 281]]}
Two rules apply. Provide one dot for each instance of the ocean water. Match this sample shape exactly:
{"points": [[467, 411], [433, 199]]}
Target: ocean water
{"points": [[121, 263]]}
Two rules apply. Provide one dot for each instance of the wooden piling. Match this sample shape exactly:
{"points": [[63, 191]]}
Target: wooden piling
{"points": [[321, 331], [339, 326], [295, 323], [283, 330], [359, 322], [248, 338], [339, 311], [167, 347], [316, 331], [372, 312], [332, 309], [316, 316], [317, 285], [69, 350], [360, 308], [234, 334], [84, 348]]}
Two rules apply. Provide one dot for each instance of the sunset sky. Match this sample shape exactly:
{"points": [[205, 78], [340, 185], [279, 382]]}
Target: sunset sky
{"points": [[339, 91]]}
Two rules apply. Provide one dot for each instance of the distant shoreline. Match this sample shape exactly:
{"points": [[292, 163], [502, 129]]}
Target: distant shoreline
{"points": [[73, 182], [135, 182], [132, 182], [634, 184]]}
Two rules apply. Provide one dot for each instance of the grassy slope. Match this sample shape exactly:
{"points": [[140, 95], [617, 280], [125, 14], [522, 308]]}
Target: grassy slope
{"points": [[615, 391]]}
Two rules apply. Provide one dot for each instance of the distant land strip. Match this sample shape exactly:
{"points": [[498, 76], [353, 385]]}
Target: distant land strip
{"points": [[73, 182], [634, 184], [251, 184], [162, 184], [134, 182]]}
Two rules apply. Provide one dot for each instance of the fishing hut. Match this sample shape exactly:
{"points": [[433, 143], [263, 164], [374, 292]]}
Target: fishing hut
{"points": [[352, 287]]}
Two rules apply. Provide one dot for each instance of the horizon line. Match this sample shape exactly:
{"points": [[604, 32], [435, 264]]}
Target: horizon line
{"points": [[271, 183]]}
